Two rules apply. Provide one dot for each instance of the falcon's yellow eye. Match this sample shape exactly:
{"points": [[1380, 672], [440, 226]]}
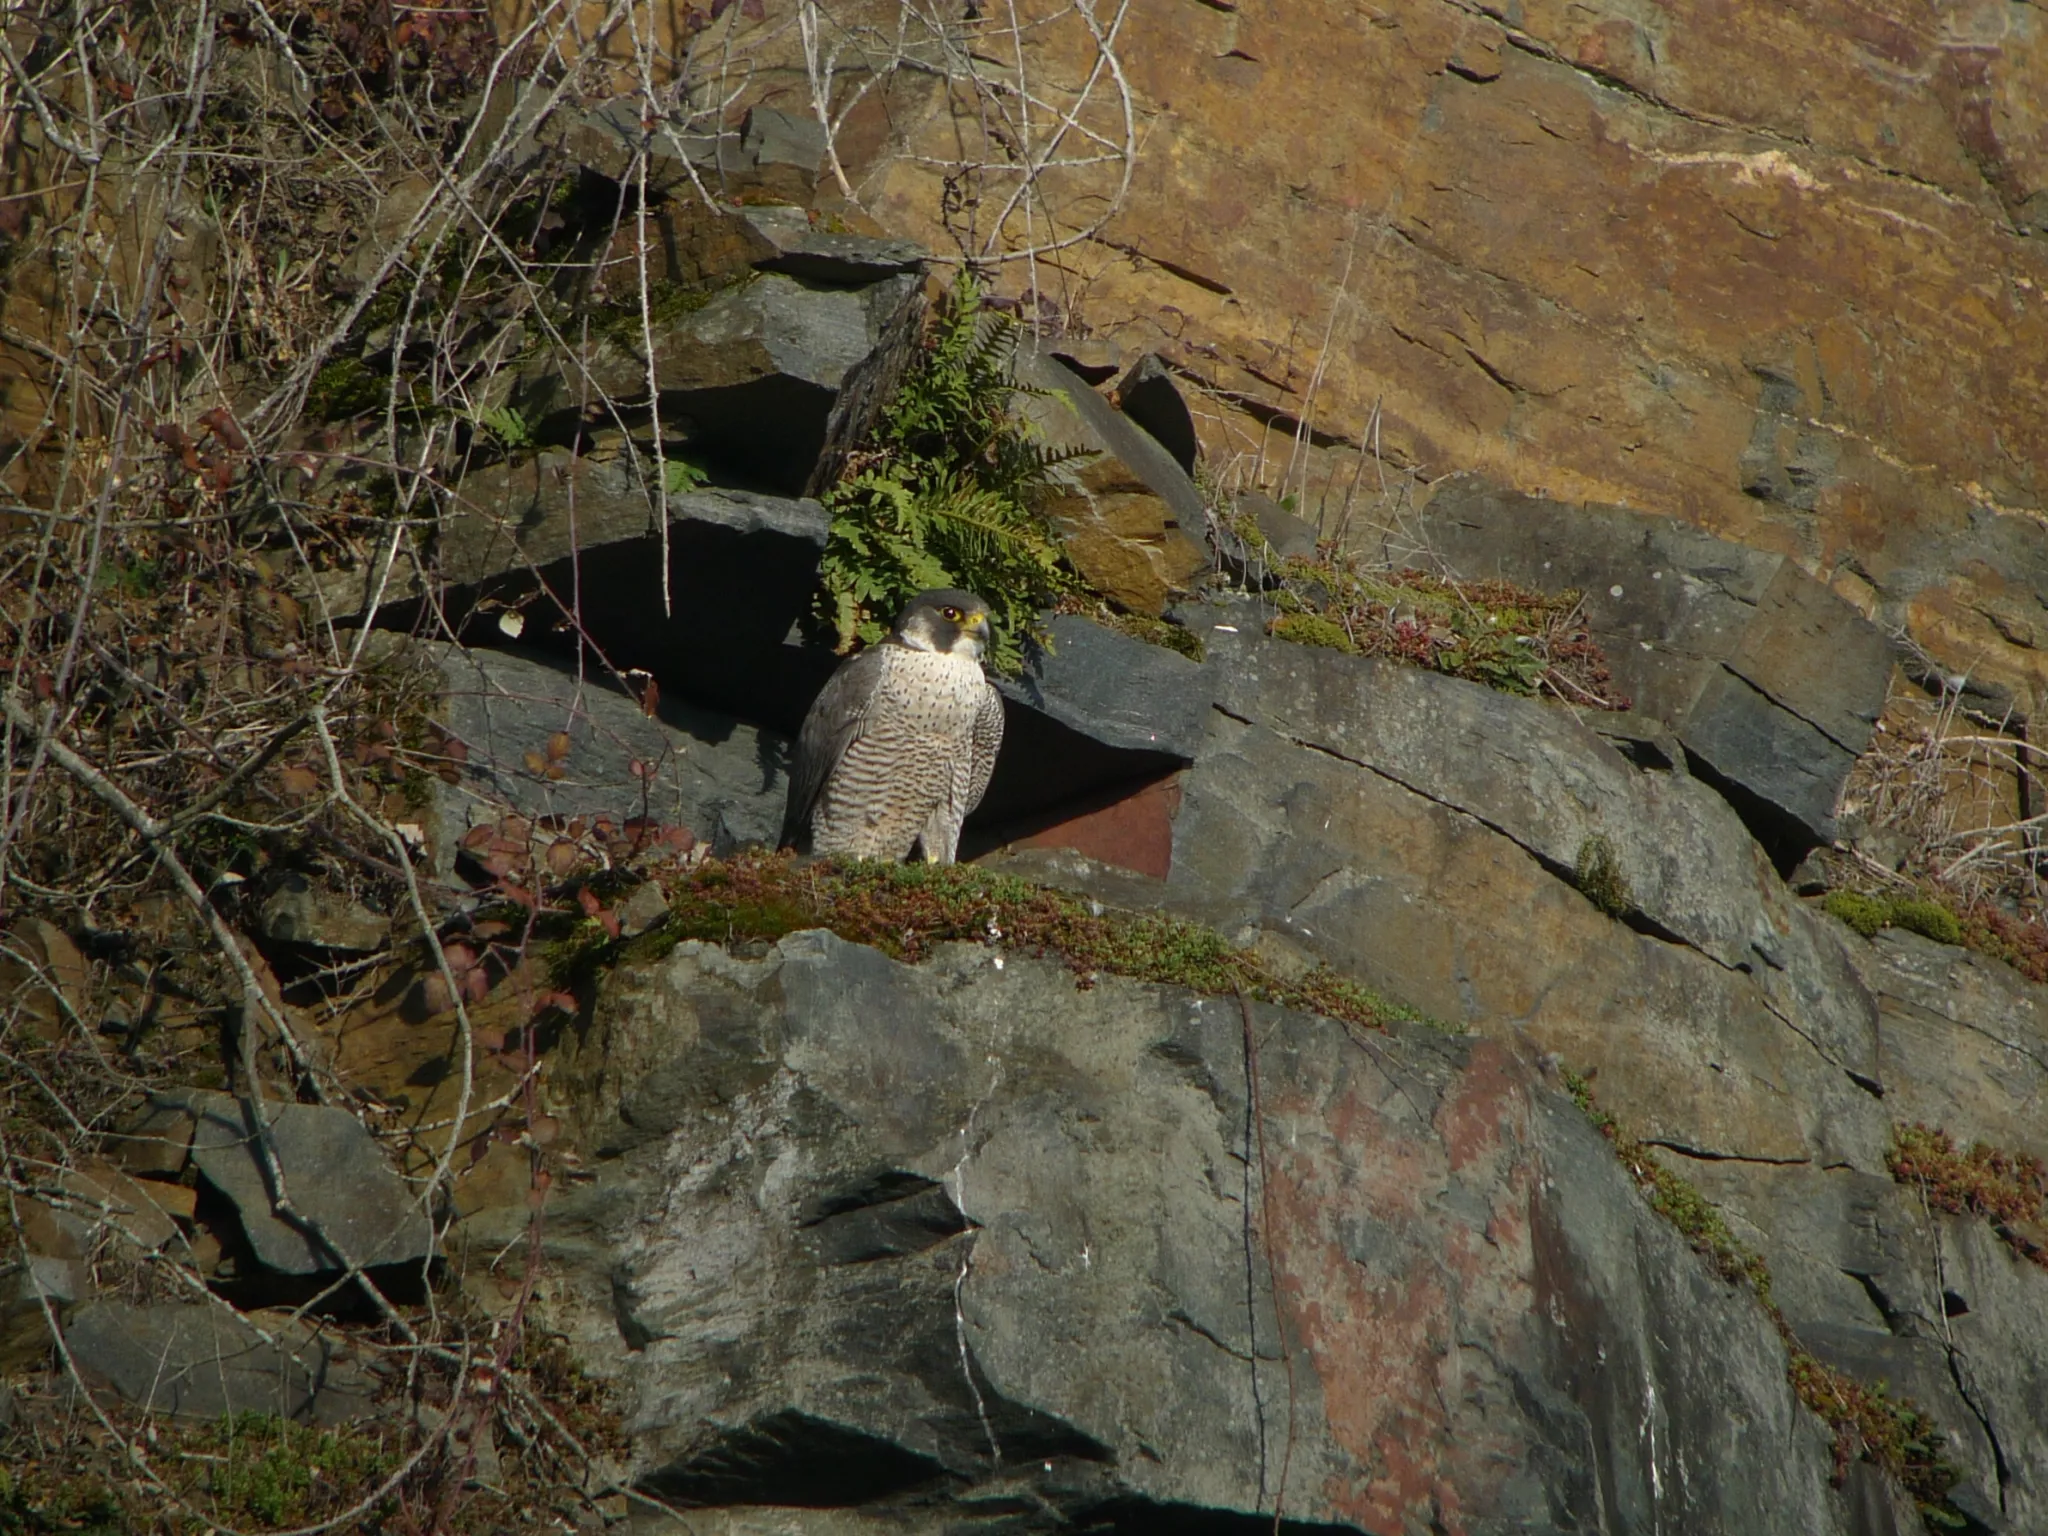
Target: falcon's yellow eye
{"points": [[952, 615]]}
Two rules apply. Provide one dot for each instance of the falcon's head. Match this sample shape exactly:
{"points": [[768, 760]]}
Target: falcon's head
{"points": [[946, 620]]}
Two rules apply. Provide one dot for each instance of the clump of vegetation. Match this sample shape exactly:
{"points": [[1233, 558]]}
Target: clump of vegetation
{"points": [[1868, 1422], [1599, 878], [1491, 632], [905, 910], [1696, 1217], [1868, 913], [946, 493], [2007, 1189], [2019, 941], [248, 1470], [1164, 632]]}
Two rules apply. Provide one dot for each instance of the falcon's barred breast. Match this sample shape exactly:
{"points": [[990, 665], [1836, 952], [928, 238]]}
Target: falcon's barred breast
{"points": [[900, 744]]}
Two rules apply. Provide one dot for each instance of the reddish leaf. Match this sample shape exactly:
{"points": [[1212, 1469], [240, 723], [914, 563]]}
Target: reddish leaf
{"points": [[476, 837], [562, 855], [754, 10], [221, 423], [454, 750], [490, 928], [476, 986], [544, 1129], [610, 920], [588, 901], [435, 992], [520, 894], [639, 769], [650, 698], [561, 1001], [518, 828], [171, 435], [477, 1149], [578, 827], [300, 781], [460, 957]]}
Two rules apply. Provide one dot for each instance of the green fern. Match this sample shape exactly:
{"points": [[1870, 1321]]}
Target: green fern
{"points": [[946, 493]]}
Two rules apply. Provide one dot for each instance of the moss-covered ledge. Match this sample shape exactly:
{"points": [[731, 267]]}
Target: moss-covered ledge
{"points": [[905, 910]]}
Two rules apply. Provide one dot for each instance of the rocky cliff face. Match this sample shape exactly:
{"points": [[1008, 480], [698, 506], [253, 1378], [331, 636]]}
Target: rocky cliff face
{"points": [[1724, 322], [1775, 272], [1041, 1258], [963, 1242]]}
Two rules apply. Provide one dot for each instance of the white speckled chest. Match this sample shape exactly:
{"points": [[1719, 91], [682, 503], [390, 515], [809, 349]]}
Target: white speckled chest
{"points": [[911, 764]]}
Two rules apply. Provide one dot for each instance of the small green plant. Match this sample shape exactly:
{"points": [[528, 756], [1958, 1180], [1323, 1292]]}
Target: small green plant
{"points": [[946, 493], [1490, 632], [507, 425], [132, 576], [1916, 914], [1599, 878], [1867, 1421], [679, 477], [1312, 629], [346, 387]]}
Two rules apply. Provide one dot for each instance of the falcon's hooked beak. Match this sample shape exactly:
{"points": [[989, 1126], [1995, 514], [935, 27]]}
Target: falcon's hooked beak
{"points": [[982, 631]]}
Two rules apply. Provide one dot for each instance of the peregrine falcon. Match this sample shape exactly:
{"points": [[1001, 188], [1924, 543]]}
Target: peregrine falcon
{"points": [[900, 744]]}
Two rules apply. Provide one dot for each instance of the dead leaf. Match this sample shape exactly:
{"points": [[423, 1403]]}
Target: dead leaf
{"points": [[535, 764], [300, 781], [558, 745], [221, 423], [562, 855]]}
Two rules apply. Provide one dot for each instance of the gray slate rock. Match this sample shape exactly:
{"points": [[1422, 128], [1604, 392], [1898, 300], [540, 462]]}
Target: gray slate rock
{"points": [[1117, 690], [516, 516], [797, 247], [337, 1177], [37, 1281], [724, 780], [301, 912], [1533, 772], [754, 375], [200, 1361], [1290, 537], [1008, 1250], [1770, 679]]}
